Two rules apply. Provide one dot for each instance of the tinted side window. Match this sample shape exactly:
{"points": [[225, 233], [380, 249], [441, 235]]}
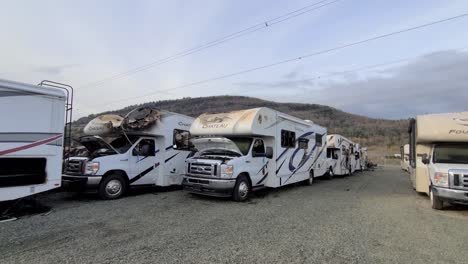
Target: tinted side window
{"points": [[258, 147], [318, 140], [145, 147], [180, 139], [288, 139]]}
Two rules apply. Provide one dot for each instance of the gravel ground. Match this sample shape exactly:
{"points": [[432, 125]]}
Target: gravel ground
{"points": [[370, 217]]}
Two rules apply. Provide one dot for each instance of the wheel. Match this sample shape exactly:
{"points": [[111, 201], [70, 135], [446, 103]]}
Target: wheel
{"points": [[310, 181], [436, 202], [330, 173], [241, 189], [112, 187]]}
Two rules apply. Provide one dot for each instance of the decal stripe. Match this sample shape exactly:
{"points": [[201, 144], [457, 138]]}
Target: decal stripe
{"points": [[148, 170], [264, 177], [32, 145], [279, 168], [262, 167], [168, 159]]}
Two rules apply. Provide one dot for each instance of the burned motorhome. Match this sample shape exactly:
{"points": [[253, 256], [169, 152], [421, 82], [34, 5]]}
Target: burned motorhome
{"points": [[145, 147]]}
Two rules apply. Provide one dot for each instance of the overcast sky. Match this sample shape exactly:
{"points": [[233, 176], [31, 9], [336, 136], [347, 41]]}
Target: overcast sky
{"points": [[81, 42]]}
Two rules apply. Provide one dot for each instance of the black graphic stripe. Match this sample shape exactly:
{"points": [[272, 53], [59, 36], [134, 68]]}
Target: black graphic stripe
{"points": [[148, 170], [264, 177], [279, 168], [168, 159], [263, 167]]}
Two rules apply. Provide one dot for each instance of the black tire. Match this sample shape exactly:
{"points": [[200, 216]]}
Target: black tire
{"points": [[242, 189], [436, 202], [330, 173], [310, 180], [112, 187]]}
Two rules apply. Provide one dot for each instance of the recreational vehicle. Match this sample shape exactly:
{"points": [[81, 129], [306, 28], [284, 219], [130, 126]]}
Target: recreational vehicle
{"points": [[438, 152], [341, 155], [32, 136], [241, 151], [404, 162], [146, 147]]}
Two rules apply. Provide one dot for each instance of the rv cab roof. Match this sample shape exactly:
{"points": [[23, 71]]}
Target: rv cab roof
{"points": [[10, 88], [448, 127]]}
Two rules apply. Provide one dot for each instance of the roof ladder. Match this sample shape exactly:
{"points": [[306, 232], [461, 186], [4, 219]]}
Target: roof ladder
{"points": [[67, 140]]}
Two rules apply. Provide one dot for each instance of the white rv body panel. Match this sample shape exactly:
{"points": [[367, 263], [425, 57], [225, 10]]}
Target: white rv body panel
{"points": [[164, 167], [31, 135], [341, 155], [292, 161]]}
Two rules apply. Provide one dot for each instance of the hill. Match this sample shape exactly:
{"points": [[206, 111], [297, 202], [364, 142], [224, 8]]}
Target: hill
{"points": [[381, 135]]}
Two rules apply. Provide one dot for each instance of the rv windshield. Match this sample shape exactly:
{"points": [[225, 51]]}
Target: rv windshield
{"points": [[122, 144], [222, 145], [451, 153]]}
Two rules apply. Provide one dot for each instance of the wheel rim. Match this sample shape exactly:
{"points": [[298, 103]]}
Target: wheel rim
{"points": [[331, 172], [114, 187], [243, 189]]}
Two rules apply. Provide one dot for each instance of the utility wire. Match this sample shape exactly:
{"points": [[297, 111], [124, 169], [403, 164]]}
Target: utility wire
{"points": [[226, 38], [368, 67], [291, 59]]}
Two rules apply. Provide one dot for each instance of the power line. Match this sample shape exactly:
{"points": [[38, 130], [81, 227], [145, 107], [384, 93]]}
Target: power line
{"points": [[218, 41], [291, 59], [368, 67]]}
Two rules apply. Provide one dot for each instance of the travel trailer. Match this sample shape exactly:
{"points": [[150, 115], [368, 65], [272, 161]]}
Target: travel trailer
{"points": [[32, 136], [438, 155], [242, 151], [341, 155], [146, 147], [404, 162]]}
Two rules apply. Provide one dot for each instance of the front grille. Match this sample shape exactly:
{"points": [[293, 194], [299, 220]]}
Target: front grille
{"points": [[203, 169], [74, 167], [458, 179]]}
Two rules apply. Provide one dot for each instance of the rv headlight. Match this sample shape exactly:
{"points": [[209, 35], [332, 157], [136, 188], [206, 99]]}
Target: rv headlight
{"points": [[227, 171], [92, 168], [441, 179]]}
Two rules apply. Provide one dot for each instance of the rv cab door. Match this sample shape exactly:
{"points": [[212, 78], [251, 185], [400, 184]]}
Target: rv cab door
{"points": [[145, 157]]}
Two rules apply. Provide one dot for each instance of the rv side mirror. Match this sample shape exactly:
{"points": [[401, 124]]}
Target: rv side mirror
{"points": [[269, 152], [425, 159]]}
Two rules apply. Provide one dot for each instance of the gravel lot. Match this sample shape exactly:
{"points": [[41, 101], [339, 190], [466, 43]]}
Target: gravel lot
{"points": [[370, 217]]}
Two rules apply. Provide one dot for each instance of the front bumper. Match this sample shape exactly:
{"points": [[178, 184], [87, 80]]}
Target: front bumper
{"points": [[80, 181], [451, 195], [208, 186]]}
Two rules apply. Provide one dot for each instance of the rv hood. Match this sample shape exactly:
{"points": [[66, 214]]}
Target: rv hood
{"points": [[97, 146], [218, 145]]}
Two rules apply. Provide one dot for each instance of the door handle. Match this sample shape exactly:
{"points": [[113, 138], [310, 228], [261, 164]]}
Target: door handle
{"points": [[247, 161], [124, 160]]}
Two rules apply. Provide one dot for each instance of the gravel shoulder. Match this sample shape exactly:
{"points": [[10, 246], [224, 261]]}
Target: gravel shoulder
{"points": [[370, 217]]}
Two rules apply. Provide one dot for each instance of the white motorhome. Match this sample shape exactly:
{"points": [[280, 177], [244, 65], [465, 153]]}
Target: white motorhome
{"points": [[146, 147], [241, 151], [32, 136], [341, 155], [364, 159], [438, 152], [404, 162]]}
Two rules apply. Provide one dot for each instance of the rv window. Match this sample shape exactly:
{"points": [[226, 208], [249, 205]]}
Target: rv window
{"points": [[288, 139], [258, 148], [303, 143], [145, 148], [22, 171], [451, 153], [180, 139], [318, 140]]}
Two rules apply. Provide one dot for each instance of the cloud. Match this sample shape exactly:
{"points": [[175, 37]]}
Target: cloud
{"points": [[433, 83], [55, 70]]}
